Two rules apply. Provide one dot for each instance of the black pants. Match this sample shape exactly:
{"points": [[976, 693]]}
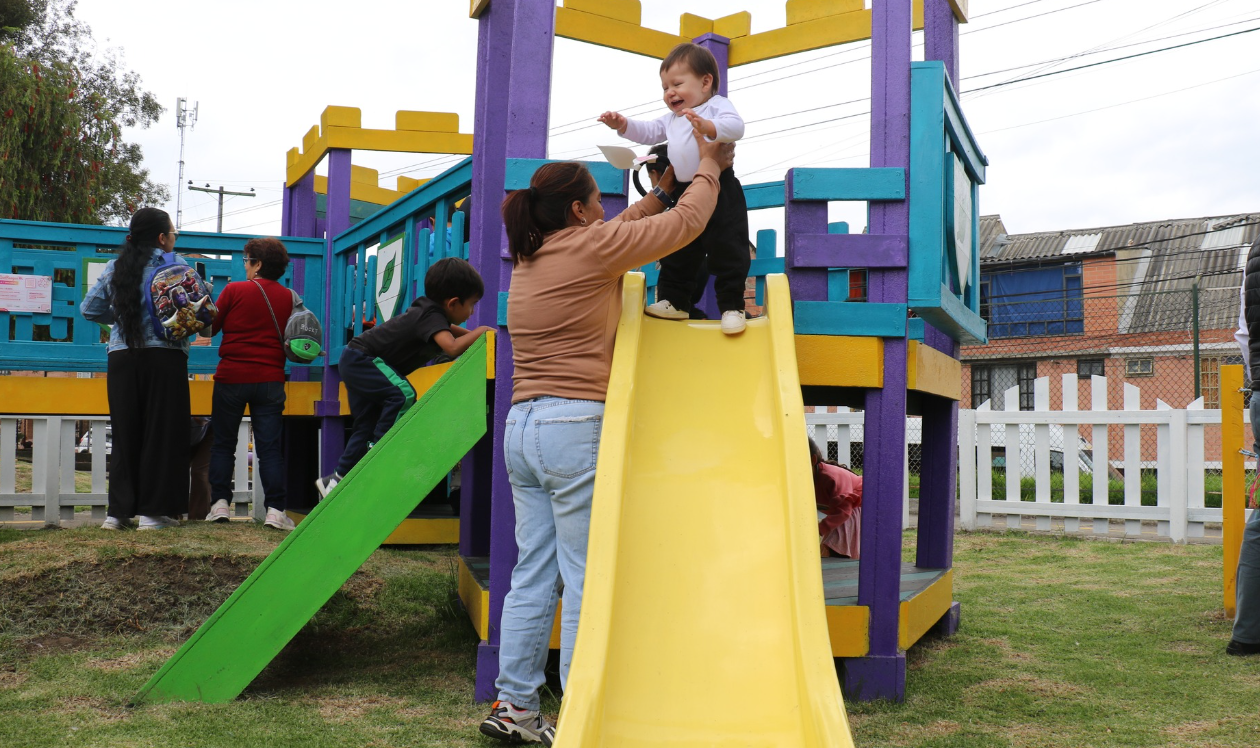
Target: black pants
{"points": [[149, 412], [266, 415], [724, 242], [378, 395]]}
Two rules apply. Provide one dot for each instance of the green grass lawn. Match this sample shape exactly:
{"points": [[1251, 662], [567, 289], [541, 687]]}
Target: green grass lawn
{"points": [[1064, 643], [22, 479]]}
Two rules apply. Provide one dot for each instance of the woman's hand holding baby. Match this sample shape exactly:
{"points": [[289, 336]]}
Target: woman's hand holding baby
{"points": [[722, 153], [613, 120]]}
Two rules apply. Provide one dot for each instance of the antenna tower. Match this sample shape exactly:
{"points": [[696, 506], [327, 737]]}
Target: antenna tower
{"points": [[184, 120]]}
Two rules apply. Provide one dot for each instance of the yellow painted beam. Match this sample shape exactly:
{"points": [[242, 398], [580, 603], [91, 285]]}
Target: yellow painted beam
{"points": [[817, 33], [609, 32], [625, 11], [364, 193], [87, 397], [340, 127], [475, 9], [840, 361], [961, 11], [475, 598], [734, 25], [849, 628], [921, 612], [425, 531], [407, 184], [800, 11], [691, 26], [1233, 475], [928, 370]]}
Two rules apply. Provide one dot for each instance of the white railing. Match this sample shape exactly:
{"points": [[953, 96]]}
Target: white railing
{"points": [[53, 495], [1180, 469], [846, 428]]}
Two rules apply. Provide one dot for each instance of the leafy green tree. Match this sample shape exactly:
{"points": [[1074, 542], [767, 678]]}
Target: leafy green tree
{"points": [[63, 106]]}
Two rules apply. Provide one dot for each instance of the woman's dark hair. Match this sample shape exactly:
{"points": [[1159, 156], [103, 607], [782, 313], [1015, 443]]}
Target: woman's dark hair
{"points": [[700, 60], [271, 252], [531, 214], [814, 451], [453, 278], [125, 293]]}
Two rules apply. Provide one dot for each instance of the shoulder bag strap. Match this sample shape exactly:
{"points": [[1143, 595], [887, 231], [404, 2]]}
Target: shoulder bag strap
{"points": [[269, 310]]}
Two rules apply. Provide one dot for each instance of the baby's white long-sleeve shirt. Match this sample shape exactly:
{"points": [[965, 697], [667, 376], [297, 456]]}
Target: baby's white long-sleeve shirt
{"points": [[675, 129]]}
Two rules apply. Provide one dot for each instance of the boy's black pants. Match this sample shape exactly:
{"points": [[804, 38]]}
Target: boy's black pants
{"points": [[378, 395], [724, 242]]}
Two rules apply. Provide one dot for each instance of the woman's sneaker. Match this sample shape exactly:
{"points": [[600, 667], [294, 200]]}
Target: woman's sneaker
{"points": [[733, 322], [278, 519], [665, 310], [113, 523], [509, 724], [221, 511], [327, 483], [158, 523]]}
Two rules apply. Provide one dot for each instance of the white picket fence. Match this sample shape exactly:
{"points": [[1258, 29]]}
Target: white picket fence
{"points": [[1180, 467], [52, 497]]}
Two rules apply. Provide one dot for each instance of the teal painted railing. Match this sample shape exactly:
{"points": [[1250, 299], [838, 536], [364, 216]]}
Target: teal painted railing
{"points": [[62, 340]]}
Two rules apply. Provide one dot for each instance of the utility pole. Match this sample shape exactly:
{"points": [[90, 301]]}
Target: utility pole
{"points": [[221, 192], [183, 119]]}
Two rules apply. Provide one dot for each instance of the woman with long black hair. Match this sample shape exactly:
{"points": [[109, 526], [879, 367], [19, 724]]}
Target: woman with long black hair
{"points": [[147, 384]]}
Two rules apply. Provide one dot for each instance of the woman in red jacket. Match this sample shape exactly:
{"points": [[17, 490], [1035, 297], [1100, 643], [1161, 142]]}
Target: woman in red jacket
{"points": [[252, 314]]}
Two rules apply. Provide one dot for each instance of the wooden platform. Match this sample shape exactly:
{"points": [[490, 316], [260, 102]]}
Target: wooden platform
{"points": [[926, 595]]}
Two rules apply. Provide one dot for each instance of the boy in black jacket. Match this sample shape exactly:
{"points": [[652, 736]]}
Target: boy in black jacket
{"points": [[374, 365]]}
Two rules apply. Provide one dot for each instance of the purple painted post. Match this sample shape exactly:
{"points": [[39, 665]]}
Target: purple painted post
{"points": [[882, 673], [720, 46], [940, 36], [801, 218], [514, 52], [939, 479], [332, 428]]}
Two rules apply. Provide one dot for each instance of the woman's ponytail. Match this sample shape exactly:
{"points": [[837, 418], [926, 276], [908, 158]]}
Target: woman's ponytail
{"points": [[524, 237], [530, 214], [125, 293]]}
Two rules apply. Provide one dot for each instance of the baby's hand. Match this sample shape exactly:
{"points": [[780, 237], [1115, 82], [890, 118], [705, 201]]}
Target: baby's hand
{"points": [[700, 124], [613, 120]]}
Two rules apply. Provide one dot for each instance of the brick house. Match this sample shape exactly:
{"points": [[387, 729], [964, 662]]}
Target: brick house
{"points": [[1139, 304]]}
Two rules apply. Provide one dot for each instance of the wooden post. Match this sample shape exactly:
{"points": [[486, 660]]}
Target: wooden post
{"points": [[1232, 476]]}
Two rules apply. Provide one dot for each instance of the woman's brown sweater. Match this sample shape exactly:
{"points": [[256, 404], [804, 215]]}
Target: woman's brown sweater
{"points": [[566, 298]]}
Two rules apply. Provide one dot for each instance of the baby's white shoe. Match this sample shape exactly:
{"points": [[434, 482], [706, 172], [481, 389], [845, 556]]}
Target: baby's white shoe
{"points": [[665, 310], [733, 322]]}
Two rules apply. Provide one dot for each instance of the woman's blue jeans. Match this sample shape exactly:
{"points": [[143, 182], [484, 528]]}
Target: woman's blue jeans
{"points": [[1247, 610], [550, 446]]}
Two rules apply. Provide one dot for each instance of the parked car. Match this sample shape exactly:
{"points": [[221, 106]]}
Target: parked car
{"points": [[85, 444]]}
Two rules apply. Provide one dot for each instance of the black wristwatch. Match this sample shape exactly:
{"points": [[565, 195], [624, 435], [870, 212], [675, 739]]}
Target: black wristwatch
{"points": [[664, 197]]}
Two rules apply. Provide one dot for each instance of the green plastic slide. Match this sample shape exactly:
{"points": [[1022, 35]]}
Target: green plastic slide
{"points": [[293, 583]]}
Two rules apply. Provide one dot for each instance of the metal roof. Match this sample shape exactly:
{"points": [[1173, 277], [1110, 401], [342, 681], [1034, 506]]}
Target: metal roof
{"points": [[1157, 265], [997, 246]]}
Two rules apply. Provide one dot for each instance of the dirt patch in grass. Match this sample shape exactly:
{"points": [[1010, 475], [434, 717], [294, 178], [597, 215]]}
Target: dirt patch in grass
{"points": [[340, 710], [1031, 685], [133, 594], [131, 660]]}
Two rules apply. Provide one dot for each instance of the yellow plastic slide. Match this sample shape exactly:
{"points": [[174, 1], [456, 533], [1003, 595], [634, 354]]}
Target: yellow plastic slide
{"points": [[702, 619]]}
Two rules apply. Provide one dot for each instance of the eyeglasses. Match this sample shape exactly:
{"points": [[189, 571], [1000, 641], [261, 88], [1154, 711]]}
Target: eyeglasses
{"points": [[173, 232], [252, 259]]}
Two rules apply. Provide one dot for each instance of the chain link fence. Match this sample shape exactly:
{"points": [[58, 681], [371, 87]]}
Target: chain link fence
{"points": [[1169, 344]]}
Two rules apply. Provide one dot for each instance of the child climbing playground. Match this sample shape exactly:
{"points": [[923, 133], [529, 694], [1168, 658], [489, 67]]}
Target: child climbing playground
{"points": [[375, 364], [690, 79]]}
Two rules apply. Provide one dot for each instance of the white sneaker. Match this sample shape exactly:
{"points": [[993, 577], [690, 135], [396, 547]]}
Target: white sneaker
{"points": [[279, 520], [327, 483], [733, 322], [220, 511], [113, 523], [665, 310], [157, 523]]}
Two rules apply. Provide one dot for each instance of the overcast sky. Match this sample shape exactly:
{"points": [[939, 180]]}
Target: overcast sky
{"points": [[1167, 135]]}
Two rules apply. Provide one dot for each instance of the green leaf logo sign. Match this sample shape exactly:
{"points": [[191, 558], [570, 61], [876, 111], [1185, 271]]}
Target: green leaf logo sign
{"points": [[389, 279]]}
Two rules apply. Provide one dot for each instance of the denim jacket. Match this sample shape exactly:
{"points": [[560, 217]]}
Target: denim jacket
{"points": [[98, 307]]}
